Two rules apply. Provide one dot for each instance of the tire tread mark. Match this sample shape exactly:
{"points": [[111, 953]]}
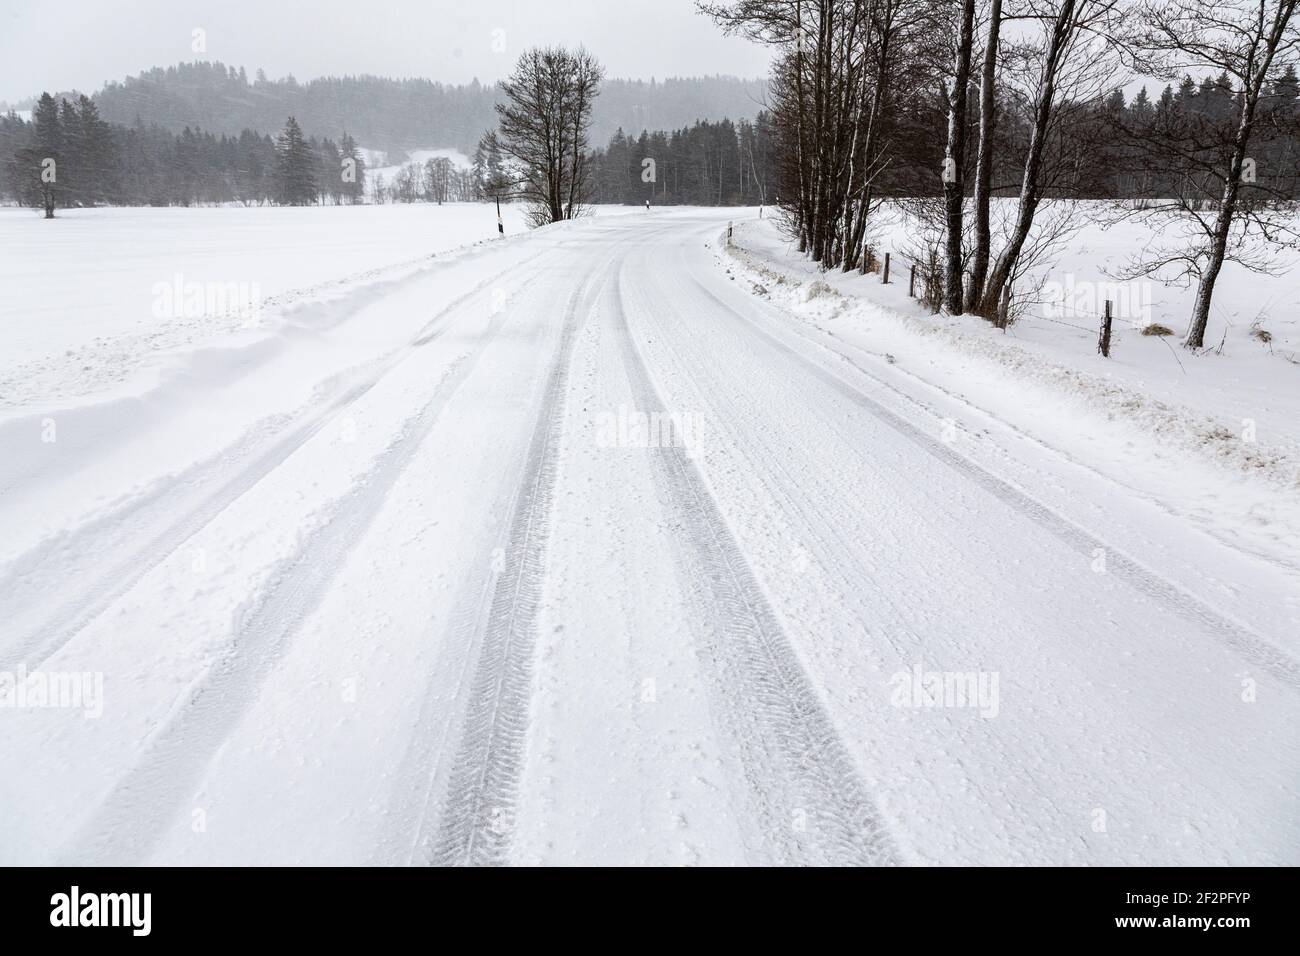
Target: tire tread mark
{"points": [[129, 822], [1252, 647], [476, 818], [95, 597], [794, 762]]}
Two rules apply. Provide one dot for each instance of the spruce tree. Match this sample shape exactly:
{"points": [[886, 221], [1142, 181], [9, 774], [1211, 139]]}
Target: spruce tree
{"points": [[330, 180], [295, 175], [41, 162], [354, 190], [478, 171], [99, 159]]}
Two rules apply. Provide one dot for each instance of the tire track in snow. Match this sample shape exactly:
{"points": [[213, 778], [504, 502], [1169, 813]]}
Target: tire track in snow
{"points": [[812, 804], [826, 540], [476, 820], [102, 587], [421, 801], [1253, 648], [130, 821]]}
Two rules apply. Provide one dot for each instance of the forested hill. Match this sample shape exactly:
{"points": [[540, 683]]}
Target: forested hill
{"points": [[389, 114]]}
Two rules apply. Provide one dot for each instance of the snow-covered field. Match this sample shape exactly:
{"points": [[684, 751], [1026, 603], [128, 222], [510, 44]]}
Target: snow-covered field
{"points": [[380, 165], [89, 299], [1241, 377], [607, 543]]}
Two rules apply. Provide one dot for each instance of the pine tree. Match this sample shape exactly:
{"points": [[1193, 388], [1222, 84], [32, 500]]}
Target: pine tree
{"points": [[42, 159], [1286, 88], [498, 183], [295, 178], [478, 170], [99, 161], [354, 184], [72, 176], [184, 169], [1141, 105], [330, 162]]}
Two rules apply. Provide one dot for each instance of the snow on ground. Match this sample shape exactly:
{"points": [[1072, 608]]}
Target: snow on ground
{"points": [[1214, 437], [386, 165], [579, 548], [1258, 380], [110, 313]]}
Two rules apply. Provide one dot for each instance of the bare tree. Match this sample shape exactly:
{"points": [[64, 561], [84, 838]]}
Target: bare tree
{"points": [[544, 124], [895, 46], [1068, 66], [1219, 198], [840, 65], [954, 161], [984, 158], [439, 176]]}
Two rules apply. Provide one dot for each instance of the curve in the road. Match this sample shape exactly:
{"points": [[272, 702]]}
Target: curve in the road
{"points": [[1251, 647]]}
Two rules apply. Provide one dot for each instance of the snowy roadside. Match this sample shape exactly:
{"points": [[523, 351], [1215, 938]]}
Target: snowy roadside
{"points": [[1234, 477]]}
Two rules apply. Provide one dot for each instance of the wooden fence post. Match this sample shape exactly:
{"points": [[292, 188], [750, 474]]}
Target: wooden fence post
{"points": [[885, 279], [1103, 344], [911, 283]]}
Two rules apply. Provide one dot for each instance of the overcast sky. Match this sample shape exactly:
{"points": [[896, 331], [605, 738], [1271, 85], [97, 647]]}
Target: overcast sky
{"points": [[82, 43]]}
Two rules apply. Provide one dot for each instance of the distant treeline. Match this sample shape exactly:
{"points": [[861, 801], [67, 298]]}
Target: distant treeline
{"points": [[1154, 147], [1112, 146], [1115, 149], [68, 155], [389, 114], [100, 163], [707, 164]]}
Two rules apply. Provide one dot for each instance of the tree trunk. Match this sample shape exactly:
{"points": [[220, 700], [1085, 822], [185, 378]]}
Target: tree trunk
{"points": [[955, 160], [984, 161], [1228, 205], [1218, 249], [1059, 40]]}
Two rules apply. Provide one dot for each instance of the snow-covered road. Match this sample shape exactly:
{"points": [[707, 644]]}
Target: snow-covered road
{"points": [[574, 549]]}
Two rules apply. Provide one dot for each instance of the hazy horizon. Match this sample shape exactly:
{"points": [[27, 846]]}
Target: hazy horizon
{"points": [[251, 71], [437, 40]]}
